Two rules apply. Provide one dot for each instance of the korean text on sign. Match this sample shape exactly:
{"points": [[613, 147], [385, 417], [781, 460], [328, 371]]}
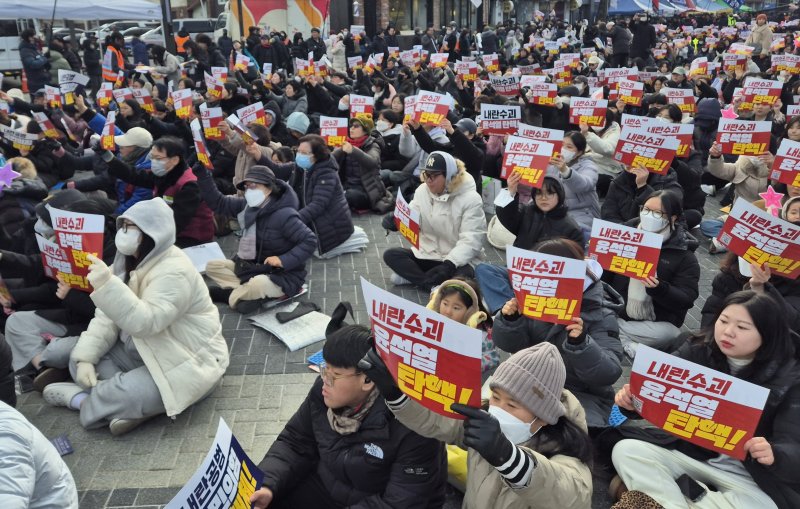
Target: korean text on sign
{"points": [[639, 148], [590, 111], [334, 130], [431, 108], [211, 118], [786, 167], [407, 220], [761, 238], [78, 235], [624, 250], [548, 288], [527, 157], [703, 406], [498, 119], [554, 136], [744, 137], [683, 98], [435, 360]]}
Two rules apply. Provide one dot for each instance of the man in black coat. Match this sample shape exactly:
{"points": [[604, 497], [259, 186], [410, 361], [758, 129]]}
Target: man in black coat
{"points": [[644, 37], [344, 448], [34, 63], [315, 44]]}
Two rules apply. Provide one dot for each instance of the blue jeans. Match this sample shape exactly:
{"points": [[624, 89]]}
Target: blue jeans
{"points": [[495, 286]]}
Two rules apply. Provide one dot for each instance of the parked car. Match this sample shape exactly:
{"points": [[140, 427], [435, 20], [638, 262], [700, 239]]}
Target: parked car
{"points": [[132, 32], [193, 26], [120, 26]]}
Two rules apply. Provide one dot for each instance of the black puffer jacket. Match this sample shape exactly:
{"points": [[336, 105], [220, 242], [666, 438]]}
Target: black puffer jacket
{"points": [[382, 465], [678, 275], [624, 200], [367, 162]]}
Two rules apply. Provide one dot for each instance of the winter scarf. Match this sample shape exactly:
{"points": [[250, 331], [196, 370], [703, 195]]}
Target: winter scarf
{"points": [[347, 421], [640, 304]]}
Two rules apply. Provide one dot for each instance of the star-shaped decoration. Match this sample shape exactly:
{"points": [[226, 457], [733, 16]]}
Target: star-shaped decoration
{"points": [[7, 174], [772, 201]]}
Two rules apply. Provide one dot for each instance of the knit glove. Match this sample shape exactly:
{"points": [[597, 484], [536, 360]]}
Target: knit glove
{"points": [[482, 432], [99, 273], [388, 223], [86, 375], [443, 272], [372, 365]]}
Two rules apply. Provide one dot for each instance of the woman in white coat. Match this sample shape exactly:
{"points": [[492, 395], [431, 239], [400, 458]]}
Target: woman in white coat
{"points": [[602, 142], [155, 343]]}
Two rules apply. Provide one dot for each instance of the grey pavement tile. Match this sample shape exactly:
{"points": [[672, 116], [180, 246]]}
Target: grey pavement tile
{"points": [[155, 496], [123, 497], [94, 499]]}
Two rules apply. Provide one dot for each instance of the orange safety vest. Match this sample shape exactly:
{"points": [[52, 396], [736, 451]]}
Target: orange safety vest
{"points": [[179, 42], [108, 67]]}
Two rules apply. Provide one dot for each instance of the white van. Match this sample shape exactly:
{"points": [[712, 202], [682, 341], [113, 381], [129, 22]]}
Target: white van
{"points": [[194, 26], [10, 63]]}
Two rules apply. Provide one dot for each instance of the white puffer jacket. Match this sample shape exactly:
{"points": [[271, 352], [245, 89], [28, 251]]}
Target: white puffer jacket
{"points": [[601, 150]]}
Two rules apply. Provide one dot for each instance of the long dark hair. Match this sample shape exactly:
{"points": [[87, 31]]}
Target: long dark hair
{"points": [[570, 438], [671, 205]]}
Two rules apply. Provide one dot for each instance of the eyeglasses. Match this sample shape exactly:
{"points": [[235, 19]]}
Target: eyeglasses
{"points": [[656, 213], [329, 378], [430, 176], [125, 227]]}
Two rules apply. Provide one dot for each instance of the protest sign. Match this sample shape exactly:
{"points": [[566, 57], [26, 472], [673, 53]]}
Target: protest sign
{"points": [[786, 167], [744, 137], [226, 479], [703, 406], [409, 106], [631, 92], [214, 86], [220, 73], [699, 67], [637, 147], [554, 136], [507, 86], [431, 108], [435, 360], [107, 135], [531, 70], [491, 62], [759, 238], [18, 139], [211, 119], [242, 62], [253, 114], [498, 119], [200, 145], [547, 287], [52, 96], [394, 52], [355, 63], [247, 135], [48, 129], [792, 110], [616, 74], [527, 157], [659, 53], [104, 94], [683, 132], [407, 220], [759, 91], [590, 111], [681, 97], [144, 99], [439, 60], [122, 94], [77, 236], [411, 59], [266, 69], [624, 250], [543, 94], [333, 130], [467, 71], [786, 62], [182, 102], [562, 73], [738, 48], [361, 106], [732, 62]]}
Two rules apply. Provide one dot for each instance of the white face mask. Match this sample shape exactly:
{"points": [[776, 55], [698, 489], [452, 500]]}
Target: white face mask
{"points": [[382, 125], [567, 154], [651, 223], [514, 429], [43, 229], [343, 105], [665, 120], [596, 128], [128, 242], [254, 197]]}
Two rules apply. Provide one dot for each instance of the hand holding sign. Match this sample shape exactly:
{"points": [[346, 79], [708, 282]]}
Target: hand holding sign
{"points": [[482, 432], [373, 366], [99, 273]]}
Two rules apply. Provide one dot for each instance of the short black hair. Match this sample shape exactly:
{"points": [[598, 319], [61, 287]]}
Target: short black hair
{"points": [[391, 116], [27, 34], [346, 346], [171, 145], [319, 148]]}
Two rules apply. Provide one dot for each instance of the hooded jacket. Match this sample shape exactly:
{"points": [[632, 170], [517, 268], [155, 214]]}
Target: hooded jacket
{"points": [[164, 305], [580, 190], [471, 152], [601, 149], [624, 200]]}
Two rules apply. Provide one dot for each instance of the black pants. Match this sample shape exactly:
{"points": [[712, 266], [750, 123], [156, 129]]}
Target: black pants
{"points": [[357, 198], [693, 217], [620, 60], [8, 392], [406, 265], [308, 493]]}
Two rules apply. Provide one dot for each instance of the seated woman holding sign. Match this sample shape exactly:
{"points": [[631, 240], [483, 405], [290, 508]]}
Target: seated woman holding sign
{"points": [[749, 340], [656, 307]]}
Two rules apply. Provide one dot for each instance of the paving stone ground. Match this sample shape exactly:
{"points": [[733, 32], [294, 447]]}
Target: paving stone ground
{"points": [[263, 386]]}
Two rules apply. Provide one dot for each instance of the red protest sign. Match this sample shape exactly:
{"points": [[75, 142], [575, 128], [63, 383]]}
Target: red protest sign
{"points": [[554, 136], [683, 132], [214, 86], [624, 250], [439, 60], [491, 62], [200, 144], [77, 235], [104, 94], [253, 113], [334, 130], [122, 94], [744, 137], [221, 73], [543, 94], [435, 361], [431, 108], [144, 99], [107, 136], [631, 92], [731, 62], [527, 157], [182, 102], [681, 97], [786, 167], [760, 237], [45, 124], [698, 404], [699, 67], [591, 111], [637, 147], [467, 71], [507, 86], [548, 288], [758, 91], [498, 119], [52, 96], [407, 220], [361, 106], [211, 118]]}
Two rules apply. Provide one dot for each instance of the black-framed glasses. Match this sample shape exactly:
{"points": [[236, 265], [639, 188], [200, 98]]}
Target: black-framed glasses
{"points": [[656, 213], [125, 227], [430, 176], [329, 378]]}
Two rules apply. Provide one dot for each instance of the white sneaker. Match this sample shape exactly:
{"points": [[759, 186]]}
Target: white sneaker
{"points": [[708, 189], [398, 281], [61, 393], [122, 426]]}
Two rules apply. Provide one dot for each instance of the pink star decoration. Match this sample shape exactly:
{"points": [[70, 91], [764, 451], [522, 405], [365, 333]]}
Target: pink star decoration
{"points": [[772, 201], [7, 174]]}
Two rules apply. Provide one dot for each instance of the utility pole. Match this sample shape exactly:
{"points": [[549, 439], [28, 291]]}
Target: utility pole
{"points": [[166, 26]]}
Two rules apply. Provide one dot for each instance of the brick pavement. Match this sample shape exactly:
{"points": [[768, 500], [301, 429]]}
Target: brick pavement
{"points": [[263, 386]]}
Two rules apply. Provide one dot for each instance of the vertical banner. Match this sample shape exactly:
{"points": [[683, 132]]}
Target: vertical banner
{"points": [[361, 106], [698, 404], [334, 130], [211, 118], [226, 479], [591, 111], [78, 235], [200, 145], [744, 137], [436, 361], [554, 136], [624, 250], [786, 167], [760, 237], [431, 108], [407, 220], [528, 157], [182, 102], [107, 136], [548, 288], [637, 147], [499, 119]]}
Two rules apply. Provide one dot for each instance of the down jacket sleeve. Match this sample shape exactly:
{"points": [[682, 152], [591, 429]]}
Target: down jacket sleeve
{"points": [[303, 240], [682, 291], [97, 339], [604, 146], [472, 233], [225, 205]]}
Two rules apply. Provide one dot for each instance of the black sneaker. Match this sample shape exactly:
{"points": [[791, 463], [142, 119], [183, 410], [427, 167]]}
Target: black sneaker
{"points": [[219, 294], [246, 307]]}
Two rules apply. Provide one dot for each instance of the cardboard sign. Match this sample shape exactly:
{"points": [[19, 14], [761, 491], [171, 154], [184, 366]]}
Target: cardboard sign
{"points": [[52, 96], [786, 62], [253, 114], [554, 136], [214, 86], [683, 132], [738, 48], [758, 91], [334, 130], [507, 86], [491, 62], [467, 71], [211, 119], [407, 220], [698, 404], [220, 73], [411, 59], [200, 144], [77, 236], [144, 99], [431, 108], [543, 94], [242, 130], [242, 62], [624, 250], [792, 111], [683, 98], [122, 94], [182, 102], [637, 147], [226, 479], [548, 288], [104, 94], [659, 53], [107, 136], [617, 74], [355, 63], [435, 361], [630, 92], [497, 119], [528, 157], [45, 124], [786, 167], [744, 137], [361, 106], [18, 139], [699, 67], [532, 69], [439, 60], [590, 111], [759, 237]]}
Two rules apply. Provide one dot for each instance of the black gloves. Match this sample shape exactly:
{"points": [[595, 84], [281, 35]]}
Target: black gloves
{"points": [[199, 170], [372, 365], [388, 222], [482, 432], [439, 274]]}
